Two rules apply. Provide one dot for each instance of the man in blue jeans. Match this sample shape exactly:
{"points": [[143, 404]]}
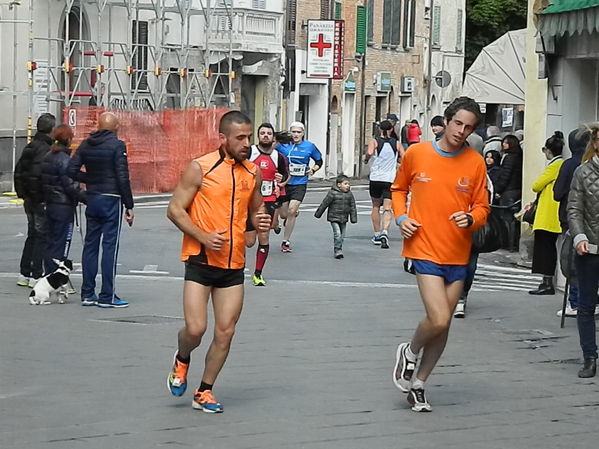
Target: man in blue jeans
{"points": [[106, 176]]}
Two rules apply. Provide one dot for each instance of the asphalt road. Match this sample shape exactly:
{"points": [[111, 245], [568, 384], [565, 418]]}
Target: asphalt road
{"points": [[311, 362]]}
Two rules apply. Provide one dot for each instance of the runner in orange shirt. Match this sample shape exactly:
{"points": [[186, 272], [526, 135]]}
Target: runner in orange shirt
{"points": [[447, 182], [210, 206]]}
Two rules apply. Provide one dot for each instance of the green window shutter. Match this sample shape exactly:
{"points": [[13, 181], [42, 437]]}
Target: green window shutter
{"points": [[396, 23], [338, 8], [361, 31], [436, 26]]}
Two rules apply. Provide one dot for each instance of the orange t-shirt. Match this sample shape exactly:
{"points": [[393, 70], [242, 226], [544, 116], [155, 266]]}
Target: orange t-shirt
{"points": [[440, 184], [222, 202]]}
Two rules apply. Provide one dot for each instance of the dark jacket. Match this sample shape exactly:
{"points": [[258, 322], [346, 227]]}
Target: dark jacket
{"points": [[510, 172], [583, 203], [561, 188], [106, 170], [340, 205], [28, 170], [58, 187]]}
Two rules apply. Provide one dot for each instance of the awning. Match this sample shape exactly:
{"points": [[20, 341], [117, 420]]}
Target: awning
{"points": [[497, 74], [569, 17]]}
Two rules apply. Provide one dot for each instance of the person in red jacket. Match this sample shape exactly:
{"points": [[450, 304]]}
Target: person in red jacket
{"points": [[414, 132]]}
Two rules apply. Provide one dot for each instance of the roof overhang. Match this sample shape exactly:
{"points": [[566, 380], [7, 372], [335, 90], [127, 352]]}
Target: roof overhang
{"points": [[571, 17]]}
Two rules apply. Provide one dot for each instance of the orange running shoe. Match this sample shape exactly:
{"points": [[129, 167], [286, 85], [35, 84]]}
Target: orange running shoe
{"points": [[177, 378], [204, 400]]}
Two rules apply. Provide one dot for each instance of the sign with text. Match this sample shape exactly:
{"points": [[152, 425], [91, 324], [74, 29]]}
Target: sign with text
{"points": [[325, 49]]}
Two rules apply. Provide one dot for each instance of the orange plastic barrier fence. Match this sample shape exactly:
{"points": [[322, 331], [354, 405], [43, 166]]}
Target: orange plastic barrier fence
{"points": [[160, 144]]}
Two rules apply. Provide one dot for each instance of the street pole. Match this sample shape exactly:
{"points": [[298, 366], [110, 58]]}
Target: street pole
{"points": [[13, 6], [362, 140]]}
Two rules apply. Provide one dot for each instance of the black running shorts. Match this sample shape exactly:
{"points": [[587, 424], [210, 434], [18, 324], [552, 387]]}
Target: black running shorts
{"points": [[296, 192], [213, 276], [380, 190], [270, 209]]}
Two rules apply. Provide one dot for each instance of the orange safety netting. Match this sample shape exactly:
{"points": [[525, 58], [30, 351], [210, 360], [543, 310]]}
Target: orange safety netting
{"points": [[160, 144]]}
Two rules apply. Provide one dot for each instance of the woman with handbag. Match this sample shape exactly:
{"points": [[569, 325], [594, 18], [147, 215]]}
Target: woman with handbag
{"points": [[583, 219], [546, 226]]}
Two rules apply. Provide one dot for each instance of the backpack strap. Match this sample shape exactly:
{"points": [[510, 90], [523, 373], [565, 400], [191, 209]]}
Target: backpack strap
{"points": [[381, 143]]}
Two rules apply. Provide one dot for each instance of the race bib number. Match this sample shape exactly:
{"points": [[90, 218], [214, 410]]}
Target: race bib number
{"points": [[297, 169], [266, 188]]}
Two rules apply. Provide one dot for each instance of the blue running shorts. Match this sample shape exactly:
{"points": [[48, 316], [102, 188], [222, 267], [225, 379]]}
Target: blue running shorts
{"points": [[450, 273]]}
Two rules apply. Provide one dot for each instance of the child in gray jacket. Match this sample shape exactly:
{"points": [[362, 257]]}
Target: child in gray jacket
{"points": [[341, 204]]}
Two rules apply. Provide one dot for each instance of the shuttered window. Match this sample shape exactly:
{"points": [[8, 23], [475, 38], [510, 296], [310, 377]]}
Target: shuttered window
{"points": [[409, 23], [361, 29], [338, 10], [259, 4], [370, 7], [325, 12], [459, 45], [139, 39], [436, 26], [291, 20], [391, 23]]}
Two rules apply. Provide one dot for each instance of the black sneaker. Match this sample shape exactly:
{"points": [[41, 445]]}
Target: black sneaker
{"points": [[384, 238], [404, 368], [417, 399]]}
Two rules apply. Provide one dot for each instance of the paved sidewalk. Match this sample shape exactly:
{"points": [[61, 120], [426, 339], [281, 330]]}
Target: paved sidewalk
{"points": [[310, 368]]}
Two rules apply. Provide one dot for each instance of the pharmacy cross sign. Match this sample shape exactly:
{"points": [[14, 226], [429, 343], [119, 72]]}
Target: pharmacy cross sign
{"points": [[324, 55], [320, 45]]}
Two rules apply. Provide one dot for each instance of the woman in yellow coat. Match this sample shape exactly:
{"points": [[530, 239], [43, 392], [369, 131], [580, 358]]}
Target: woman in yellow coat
{"points": [[546, 226]]}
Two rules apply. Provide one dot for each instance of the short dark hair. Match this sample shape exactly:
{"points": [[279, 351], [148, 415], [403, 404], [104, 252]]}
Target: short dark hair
{"points": [[231, 117], [386, 125], [46, 123], [341, 178], [466, 104], [437, 120], [283, 137], [266, 125]]}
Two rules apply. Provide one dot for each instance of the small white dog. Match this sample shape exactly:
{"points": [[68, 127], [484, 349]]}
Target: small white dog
{"points": [[52, 284]]}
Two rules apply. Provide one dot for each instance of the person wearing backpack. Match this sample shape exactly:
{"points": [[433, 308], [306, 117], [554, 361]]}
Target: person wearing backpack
{"points": [[385, 152], [28, 185]]}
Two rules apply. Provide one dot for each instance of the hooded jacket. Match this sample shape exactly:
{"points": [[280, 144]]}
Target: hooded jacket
{"points": [[106, 170], [57, 186], [340, 205], [510, 173], [28, 170], [561, 188], [583, 203]]}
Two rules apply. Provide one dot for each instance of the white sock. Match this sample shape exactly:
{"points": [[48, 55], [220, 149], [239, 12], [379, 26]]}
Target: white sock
{"points": [[417, 384], [410, 355]]}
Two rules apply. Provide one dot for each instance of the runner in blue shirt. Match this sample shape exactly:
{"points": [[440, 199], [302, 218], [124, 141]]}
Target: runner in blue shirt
{"points": [[299, 152]]}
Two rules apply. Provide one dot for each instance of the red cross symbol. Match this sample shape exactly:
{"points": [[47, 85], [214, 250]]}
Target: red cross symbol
{"points": [[320, 45]]}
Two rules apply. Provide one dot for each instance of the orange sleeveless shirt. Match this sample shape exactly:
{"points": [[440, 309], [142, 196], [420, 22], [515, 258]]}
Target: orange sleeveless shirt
{"points": [[222, 202]]}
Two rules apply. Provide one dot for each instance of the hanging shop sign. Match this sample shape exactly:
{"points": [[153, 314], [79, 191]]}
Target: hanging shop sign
{"points": [[325, 49]]}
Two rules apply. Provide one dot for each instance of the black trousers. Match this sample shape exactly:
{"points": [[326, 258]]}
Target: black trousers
{"points": [[544, 253]]}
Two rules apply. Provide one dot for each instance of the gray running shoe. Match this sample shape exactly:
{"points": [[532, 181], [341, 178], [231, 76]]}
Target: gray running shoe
{"points": [[417, 399]]}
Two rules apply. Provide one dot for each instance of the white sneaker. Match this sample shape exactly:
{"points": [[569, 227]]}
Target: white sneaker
{"points": [[460, 310], [23, 281], [570, 311]]}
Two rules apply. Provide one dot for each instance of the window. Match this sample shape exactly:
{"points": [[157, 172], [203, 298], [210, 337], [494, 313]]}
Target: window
{"points": [[259, 4], [409, 23], [338, 10], [460, 24], [370, 27], [223, 3], [325, 12], [139, 39], [291, 19], [436, 26], [361, 20], [391, 22]]}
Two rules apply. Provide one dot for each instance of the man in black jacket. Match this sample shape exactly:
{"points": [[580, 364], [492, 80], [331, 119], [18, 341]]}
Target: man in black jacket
{"points": [[106, 178], [28, 186], [577, 141]]}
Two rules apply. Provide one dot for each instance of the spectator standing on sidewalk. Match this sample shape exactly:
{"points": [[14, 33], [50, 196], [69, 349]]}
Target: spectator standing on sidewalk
{"points": [[577, 141], [546, 227], [28, 185], [341, 204], [451, 176], [583, 219], [414, 132], [493, 141], [108, 189], [61, 195], [508, 186]]}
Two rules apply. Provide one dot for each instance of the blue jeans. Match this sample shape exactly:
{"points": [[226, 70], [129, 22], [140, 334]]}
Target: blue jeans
{"points": [[470, 272], [35, 244], [587, 270], [338, 234], [60, 233], [573, 295], [104, 217]]}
